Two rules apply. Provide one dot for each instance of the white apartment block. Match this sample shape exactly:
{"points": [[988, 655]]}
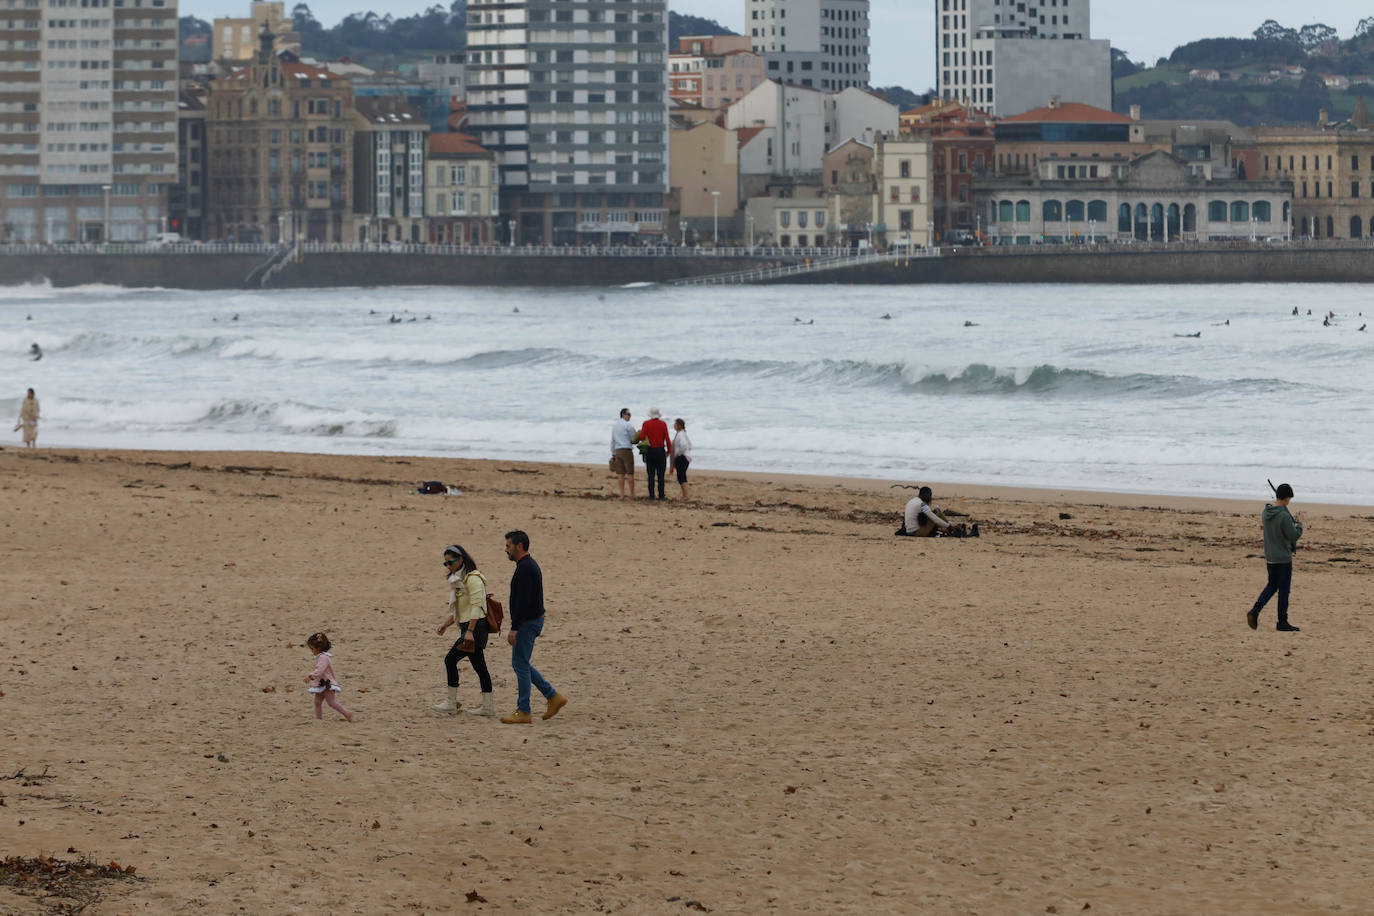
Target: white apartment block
{"points": [[818, 43], [1010, 56], [799, 126], [88, 118], [572, 99]]}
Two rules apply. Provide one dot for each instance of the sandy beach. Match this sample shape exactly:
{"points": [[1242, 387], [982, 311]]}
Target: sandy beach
{"points": [[776, 706]]}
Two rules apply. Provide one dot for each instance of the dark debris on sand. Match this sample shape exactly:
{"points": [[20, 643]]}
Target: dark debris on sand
{"points": [[61, 886]]}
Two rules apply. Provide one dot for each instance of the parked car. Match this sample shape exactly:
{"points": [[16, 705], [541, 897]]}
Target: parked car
{"points": [[169, 238]]}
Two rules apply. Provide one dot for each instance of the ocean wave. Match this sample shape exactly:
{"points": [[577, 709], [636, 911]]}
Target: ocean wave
{"points": [[971, 379], [236, 415]]}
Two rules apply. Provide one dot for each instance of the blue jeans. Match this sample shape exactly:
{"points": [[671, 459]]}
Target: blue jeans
{"points": [[520, 660]]}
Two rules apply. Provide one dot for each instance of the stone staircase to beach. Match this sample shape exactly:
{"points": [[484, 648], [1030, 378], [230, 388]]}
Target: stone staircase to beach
{"points": [[784, 271], [275, 263]]}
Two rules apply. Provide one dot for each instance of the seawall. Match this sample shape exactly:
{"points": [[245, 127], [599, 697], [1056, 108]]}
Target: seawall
{"points": [[1182, 265], [210, 271], [353, 268]]}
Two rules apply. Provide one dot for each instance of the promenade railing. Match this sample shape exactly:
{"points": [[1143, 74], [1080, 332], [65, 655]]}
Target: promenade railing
{"points": [[417, 249]]}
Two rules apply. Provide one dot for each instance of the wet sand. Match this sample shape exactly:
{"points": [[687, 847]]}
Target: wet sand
{"points": [[776, 706]]}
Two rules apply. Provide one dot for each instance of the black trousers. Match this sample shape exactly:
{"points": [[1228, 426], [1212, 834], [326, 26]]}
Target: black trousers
{"points": [[1280, 582], [477, 657], [656, 463]]}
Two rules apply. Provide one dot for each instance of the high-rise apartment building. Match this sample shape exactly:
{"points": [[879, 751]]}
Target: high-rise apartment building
{"points": [[88, 118], [818, 43], [572, 100], [1010, 56]]}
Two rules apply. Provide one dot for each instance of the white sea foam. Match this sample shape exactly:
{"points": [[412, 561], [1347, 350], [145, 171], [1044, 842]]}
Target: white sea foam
{"points": [[1082, 387]]}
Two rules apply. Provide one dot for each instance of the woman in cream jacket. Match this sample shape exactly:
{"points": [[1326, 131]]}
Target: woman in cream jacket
{"points": [[468, 611]]}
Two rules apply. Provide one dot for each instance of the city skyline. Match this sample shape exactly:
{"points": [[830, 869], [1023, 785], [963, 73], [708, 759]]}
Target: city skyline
{"points": [[903, 42]]}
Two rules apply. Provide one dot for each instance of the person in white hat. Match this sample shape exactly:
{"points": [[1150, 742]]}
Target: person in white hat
{"points": [[655, 434]]}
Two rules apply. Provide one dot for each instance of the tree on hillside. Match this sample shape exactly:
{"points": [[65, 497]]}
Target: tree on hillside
{"points": [[1122, 65], [190, 25], [1271, 30], [903, 98], [1234, 53], [1365, 26], [680, 24], [1312, 36]]}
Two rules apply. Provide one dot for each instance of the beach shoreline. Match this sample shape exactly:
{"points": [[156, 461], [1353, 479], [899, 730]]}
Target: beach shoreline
{"points": [[774, 704], [898, 487]]}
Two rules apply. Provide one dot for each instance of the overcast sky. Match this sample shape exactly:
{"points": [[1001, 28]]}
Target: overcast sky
{"points": [[904, 30]]}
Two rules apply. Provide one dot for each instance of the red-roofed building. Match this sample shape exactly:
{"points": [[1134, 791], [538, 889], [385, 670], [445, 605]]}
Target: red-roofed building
{"points": [[280, 136], [1069, 131], [962, 149], [463, 191]]}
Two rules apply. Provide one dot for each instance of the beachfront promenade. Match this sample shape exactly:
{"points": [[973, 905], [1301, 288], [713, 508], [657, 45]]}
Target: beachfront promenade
{"points": [[319, 264]]}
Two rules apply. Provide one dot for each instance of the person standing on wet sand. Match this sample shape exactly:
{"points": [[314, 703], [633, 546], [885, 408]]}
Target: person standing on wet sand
{"points": [[655, 433], [526, 623], [622, 451], [1281, 533], [28, 420]]}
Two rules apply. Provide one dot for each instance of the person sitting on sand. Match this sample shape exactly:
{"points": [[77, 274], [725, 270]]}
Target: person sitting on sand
{"points": [[922, 520]]}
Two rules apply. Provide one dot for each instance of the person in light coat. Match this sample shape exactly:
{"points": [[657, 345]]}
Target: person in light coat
{"points": [[28, 420]]}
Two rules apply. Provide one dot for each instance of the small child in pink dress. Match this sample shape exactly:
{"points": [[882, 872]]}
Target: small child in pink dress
{"points": [[322, 682]]}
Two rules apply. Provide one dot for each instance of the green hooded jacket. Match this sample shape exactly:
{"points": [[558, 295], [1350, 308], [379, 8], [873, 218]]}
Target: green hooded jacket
{"points": [[1281, 534]]}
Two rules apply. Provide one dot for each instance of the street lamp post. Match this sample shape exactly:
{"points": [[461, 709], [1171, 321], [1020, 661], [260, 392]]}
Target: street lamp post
{"points": [[749, 221], [682, 232], [105, 230], [715, 217], [510, 224]]}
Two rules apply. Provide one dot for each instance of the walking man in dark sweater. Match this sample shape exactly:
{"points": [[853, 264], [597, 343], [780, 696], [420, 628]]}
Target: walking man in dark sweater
{"points": [[526, 623], [1281, 533]]}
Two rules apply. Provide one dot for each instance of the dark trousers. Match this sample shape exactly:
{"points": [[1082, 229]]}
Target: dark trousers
{"points": [[476, 657], [1280, 581], [656, 463]]}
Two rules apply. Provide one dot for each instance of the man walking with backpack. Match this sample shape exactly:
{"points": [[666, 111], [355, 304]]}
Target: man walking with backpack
{"points": [[526, 623], [1281, 535]]}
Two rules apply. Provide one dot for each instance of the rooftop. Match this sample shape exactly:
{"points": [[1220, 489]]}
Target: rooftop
{"points": [[1068, 113]]}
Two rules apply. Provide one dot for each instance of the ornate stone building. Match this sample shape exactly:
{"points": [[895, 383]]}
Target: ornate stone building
{"points": [[1157, 197], [281, 152], [1331, 166]]}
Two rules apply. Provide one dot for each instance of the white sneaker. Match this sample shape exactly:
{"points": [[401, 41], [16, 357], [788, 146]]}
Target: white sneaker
{"points": [[447, 706]]}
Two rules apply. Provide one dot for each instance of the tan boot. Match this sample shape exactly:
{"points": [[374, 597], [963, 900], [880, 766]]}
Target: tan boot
{"points": [[451, 704], [517, 718], [556, 702]]}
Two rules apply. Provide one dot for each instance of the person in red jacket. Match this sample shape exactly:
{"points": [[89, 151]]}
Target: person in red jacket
{"points": [[655, 433]]}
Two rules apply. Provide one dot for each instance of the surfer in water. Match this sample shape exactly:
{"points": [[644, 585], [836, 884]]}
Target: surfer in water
{"points": [[36, 352]]}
